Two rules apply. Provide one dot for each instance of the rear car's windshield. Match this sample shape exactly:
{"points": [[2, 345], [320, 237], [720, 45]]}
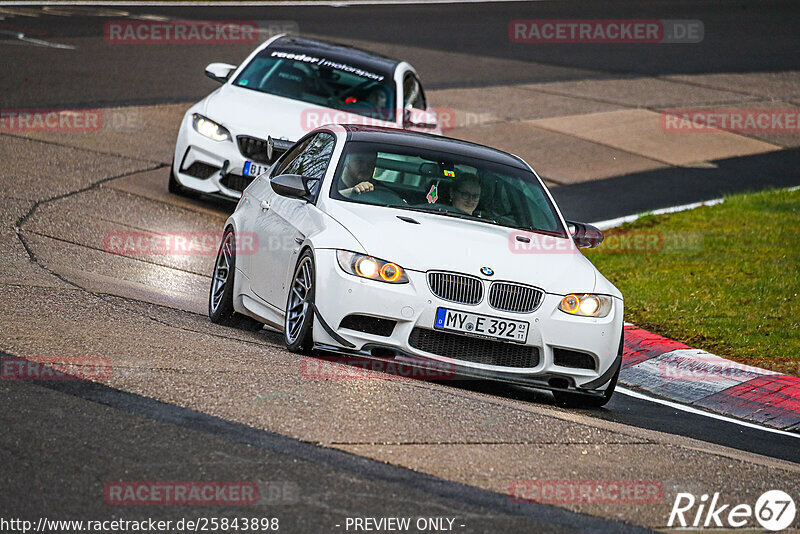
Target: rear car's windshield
{"points": [[322, 81], [445, 184]]}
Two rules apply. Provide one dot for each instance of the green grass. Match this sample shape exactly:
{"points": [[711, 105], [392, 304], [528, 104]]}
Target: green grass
{"points": [[722, 278]]}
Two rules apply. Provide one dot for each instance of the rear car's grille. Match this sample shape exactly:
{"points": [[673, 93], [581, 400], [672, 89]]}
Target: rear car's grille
{"points": [[511, 297], [369, 325], [572, 358], [200, 170], [236, 182], [253, 148], [472, 349], [456, 287]]}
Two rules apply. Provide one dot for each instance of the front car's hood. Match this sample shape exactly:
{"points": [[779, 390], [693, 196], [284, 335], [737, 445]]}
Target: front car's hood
{"points": [[250, 112], [450, 244]]}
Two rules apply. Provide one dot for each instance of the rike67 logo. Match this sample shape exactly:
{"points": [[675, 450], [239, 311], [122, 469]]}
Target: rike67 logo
{"points": [[774, 510]]}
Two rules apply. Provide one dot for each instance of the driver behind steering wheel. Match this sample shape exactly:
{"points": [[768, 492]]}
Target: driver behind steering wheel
{"points": [[357, 176]]}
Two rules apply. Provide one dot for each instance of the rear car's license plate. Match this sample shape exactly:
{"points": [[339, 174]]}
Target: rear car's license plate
{"points": [[253, 169], [481, 325]]}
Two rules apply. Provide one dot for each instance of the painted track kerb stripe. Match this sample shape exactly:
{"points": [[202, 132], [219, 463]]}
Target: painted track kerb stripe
{"points": [[690, 409]]}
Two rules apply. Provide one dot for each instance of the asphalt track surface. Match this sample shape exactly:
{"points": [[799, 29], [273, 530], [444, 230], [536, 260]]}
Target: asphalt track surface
{"points": [[65, 438]]}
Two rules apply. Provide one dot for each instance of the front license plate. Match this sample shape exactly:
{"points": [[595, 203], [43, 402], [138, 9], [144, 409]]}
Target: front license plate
{"points": [[253, 169], [481, 325]]}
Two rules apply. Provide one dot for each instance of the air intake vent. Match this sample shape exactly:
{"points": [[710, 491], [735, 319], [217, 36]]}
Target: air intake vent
{"points": [[472, 349], [236, 182], [511, 297], [574, 359], [369, 325], [200, 170], [456, 287]]}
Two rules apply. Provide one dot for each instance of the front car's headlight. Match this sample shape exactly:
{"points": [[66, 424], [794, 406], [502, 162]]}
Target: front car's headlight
{"points": [[586, 305], [372, 268], [208, 128]]}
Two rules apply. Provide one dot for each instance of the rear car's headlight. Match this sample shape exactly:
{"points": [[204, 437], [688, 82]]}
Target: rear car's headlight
{"points": [[208, 128], [586, 305], [372, 268]]}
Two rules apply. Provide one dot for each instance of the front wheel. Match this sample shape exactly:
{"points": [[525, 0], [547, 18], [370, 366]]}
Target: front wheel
{"points": [[299, 320], [568, 398], [581, 400]]}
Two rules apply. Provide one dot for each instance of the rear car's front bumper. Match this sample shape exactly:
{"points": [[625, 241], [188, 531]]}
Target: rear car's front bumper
{"points": [[199, 163]]}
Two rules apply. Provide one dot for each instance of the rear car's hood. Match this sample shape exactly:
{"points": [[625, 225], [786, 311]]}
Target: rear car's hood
{"points": [[250, 112], [445, 243]]}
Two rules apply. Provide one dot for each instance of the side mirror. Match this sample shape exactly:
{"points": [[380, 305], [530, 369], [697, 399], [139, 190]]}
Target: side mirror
{"points": [[290, 185], [220, 72], [585, 235], [413, 118]]}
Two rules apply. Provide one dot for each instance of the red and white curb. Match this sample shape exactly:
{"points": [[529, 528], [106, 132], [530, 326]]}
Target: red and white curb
{"points": [[672, 370]]}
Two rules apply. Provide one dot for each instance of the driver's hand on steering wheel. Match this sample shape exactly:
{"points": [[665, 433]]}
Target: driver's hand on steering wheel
{"points": [[363, 187]]}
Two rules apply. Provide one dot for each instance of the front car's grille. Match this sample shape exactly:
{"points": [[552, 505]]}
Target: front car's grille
{"points": [[456, 287], [236, 182], [253, 148], [473, 349], [200, 170], [510, 297]]}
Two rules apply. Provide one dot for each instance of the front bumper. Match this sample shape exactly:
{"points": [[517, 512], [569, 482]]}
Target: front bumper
{"points": [[195, 152], [413, 306]]}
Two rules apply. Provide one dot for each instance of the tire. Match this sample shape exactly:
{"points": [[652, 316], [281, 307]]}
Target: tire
{"points": [[177, 189], [577, 400], [174, 187], [220, 295], [299, 318]]}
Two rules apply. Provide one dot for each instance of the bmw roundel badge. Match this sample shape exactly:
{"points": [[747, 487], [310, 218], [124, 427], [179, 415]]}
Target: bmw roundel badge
{"points": [[488, 271]]}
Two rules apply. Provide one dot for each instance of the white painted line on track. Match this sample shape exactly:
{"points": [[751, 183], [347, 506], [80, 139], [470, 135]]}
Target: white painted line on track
{"points": [[692, 410], [613, 223]]}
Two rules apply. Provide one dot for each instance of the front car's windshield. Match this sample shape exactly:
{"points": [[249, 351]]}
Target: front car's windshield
{"points": [[321, 81], [449, 185]]}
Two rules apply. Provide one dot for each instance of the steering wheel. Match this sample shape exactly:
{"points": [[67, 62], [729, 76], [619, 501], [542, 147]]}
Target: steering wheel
{"points": [[381, 195]]}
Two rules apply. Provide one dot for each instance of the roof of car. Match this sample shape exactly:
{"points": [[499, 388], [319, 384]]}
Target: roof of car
{"points": [[336, 52], [377, 134]]}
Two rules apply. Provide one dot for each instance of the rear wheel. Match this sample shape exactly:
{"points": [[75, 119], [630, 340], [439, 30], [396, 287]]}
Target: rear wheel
{"points": [[299, 320], [220, 296]]}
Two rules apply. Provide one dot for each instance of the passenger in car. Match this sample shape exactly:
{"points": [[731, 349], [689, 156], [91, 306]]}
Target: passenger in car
{"points": [[466, 193], [357, 174]]}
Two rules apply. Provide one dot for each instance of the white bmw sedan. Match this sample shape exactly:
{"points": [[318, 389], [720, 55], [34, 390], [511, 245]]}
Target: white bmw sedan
{"points": [[424, 250], [283, 90]]}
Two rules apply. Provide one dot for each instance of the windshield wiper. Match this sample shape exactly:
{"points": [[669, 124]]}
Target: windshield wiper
{"points": [[554, 233], [441, 211]]}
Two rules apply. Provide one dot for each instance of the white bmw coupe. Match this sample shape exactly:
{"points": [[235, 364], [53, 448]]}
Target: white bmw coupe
{"points": [[287, 87], [426, 250]]}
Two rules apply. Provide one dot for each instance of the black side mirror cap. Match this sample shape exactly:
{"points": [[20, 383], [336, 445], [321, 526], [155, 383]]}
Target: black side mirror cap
{"points": [[290, 185], [585, 235]]}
